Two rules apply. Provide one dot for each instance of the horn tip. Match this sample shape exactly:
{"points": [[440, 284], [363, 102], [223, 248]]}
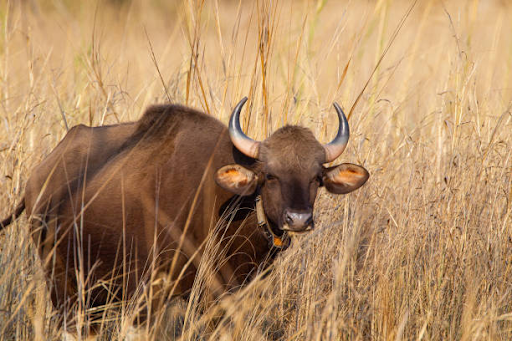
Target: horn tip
{"points": [[338, 109]]}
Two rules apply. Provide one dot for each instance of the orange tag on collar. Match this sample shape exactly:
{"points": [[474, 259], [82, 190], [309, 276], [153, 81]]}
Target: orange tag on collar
{"points": [[278, 241]]}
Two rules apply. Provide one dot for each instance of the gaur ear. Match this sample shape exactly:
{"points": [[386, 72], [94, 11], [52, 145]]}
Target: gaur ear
{"points": [[344, 178], [236, 179]]}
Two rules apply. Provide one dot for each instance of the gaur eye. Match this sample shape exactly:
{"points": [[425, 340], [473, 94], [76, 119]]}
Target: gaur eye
{"points": [[270, 177], [317, 179]]}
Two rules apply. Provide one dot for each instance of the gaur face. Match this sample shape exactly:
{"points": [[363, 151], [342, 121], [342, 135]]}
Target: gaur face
{"points": [[289, 172]]}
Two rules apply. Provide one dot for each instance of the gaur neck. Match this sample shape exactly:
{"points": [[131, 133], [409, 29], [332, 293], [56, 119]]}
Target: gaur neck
{"points": [[280, 242]]}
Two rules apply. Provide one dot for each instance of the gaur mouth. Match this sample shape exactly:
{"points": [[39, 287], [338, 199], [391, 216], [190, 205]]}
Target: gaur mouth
{"points": [[292, 232]]}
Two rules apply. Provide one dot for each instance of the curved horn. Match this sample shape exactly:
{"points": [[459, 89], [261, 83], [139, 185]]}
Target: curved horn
{"points": [[241, 141], [334, 148]]}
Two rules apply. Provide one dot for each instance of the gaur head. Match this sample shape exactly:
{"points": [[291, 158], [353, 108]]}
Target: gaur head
{"points": [[289, 170]]}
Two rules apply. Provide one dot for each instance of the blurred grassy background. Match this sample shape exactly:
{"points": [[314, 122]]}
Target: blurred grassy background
{"points": [[423, 251]]}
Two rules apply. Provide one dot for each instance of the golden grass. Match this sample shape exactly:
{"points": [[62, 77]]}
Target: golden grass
{"points": [[422, 252]]}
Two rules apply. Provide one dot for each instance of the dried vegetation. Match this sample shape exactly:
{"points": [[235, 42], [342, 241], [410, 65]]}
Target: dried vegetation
{"points": [[422, 252]]}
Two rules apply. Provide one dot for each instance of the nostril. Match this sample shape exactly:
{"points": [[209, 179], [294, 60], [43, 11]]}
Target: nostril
{"points": [[309, 220], [288, 218]]}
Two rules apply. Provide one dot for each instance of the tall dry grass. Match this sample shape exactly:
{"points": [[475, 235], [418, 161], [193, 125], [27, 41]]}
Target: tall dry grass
{"points": [[422, 252]]}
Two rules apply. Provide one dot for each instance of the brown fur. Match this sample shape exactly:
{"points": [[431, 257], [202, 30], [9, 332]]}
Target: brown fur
{"points": [[128, 203], [114, 192]]}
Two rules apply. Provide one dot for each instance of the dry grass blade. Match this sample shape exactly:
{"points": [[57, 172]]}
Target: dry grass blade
{"points": [[381, 58], [153, 57]]}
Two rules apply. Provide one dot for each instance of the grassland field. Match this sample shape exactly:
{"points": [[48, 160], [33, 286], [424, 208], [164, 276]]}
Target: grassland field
{"points": [[422, 252]]}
